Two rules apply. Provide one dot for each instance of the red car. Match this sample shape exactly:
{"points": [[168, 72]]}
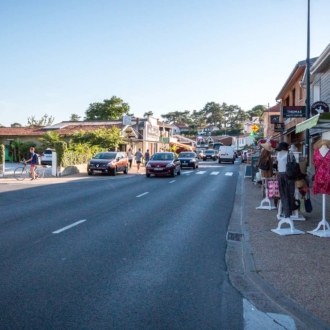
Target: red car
{"points": [[163, 163]]}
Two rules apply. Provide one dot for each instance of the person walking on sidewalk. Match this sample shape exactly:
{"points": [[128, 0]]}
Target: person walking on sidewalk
{"points": [[146, 156], [33, 161], [130, 157], [138, 157]]}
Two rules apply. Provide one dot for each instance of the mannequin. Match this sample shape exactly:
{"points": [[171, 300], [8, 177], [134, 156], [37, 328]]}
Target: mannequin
{"points": [[286, 186], [264, 160], [322, 182], [287, 191]]}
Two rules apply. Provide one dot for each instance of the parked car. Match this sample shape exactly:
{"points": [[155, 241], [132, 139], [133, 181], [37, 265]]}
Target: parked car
{"points": [[46, 157], [200, 154], [108, 163], [163, 163], [210, 154], [188, 159], [226, 154]]}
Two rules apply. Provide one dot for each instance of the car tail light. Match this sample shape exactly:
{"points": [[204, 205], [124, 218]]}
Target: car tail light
{"points": [[42, 155]]}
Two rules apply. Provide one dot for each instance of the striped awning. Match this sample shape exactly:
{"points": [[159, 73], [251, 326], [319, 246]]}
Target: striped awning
{"points": [[307, 124]]}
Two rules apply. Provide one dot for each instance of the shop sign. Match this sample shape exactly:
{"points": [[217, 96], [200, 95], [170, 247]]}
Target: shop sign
{"points": [[274, 119], [294, 111], [152, 131], [319, 107], [279, 127]]}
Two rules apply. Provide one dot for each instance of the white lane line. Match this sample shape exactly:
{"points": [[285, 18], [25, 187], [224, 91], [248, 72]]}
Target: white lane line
{"points": [[200, 172], [172, 181], [67, 227], [143, 194], [214, 173], [185, 172], [229, 173]]}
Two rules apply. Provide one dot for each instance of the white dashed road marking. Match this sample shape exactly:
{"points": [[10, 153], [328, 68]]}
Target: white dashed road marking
{"points": [[143, 194], [214, 173], [201, 172], [67, 227], [172, 181], [229, 173]]}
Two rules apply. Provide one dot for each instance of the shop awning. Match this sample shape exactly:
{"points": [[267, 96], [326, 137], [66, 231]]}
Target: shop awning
{"points": [[307, 124]]}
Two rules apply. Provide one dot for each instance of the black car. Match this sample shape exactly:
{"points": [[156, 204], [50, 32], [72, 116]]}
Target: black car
{"points": [[108, 163], [188, 159], [210, 154]]}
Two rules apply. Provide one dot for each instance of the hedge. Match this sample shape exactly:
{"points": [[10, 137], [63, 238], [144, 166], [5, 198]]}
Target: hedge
{"points": [[60, 148], [2, 154]]}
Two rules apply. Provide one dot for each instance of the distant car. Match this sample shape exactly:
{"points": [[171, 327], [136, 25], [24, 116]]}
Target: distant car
{"points": [[200, 154], [108, 163], [226, 154], [188, 159], [163, 163], [210, 154], [46, 157]]}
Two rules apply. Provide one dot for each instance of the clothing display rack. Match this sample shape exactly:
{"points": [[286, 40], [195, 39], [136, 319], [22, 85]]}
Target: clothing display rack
{"points": [[267, 201]]}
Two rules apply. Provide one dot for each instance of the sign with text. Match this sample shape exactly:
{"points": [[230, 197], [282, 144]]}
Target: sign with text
{"points": [[319, 107], [279, 127], [274, 119], [294, 111]]}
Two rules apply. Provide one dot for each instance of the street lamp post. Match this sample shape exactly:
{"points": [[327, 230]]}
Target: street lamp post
{"points": [[308, 81]]}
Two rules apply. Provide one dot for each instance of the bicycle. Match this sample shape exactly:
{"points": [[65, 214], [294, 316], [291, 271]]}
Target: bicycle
{"points": [[21, 172]]}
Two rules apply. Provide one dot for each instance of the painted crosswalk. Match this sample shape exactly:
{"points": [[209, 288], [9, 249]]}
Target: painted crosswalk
{"points": [[187, 173]]}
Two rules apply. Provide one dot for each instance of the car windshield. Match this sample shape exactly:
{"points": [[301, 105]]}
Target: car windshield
{"points": [[162, 156], [105, 155], [186, 155], [209, 151], [47, 152]]}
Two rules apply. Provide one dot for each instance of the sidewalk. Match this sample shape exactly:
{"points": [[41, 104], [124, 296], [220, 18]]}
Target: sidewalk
{"points": [[292, 270], [49, 179]]}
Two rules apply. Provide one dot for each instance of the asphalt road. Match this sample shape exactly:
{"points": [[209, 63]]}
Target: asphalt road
{"points": [[150, 253]]}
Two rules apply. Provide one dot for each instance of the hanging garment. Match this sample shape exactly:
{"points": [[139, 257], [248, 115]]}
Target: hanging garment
{"points": [[322, 174]]}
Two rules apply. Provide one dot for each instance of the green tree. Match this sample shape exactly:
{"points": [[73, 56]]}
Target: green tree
{"points": [[197, 119], [74, 117], [15, 147], [257, 111], [213, 113], [44, 121], [16, 125], [114, 108], [49, 139], [147, 114], [103, 137]]}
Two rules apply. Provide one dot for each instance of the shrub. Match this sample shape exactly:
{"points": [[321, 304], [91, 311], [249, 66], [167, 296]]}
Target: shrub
{"points": [[60, 148], [2, 154]]}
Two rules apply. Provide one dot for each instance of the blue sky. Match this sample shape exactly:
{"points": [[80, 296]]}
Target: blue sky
{"points": [[57, 57]]}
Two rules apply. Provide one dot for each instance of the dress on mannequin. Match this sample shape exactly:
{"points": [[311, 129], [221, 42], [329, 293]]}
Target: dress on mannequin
{"points": [[322, 165], [286, 186]]}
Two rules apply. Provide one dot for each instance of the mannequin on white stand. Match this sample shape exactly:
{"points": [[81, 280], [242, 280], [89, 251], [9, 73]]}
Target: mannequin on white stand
{"points": [[265, 164], [287, 191], [322, 182]]}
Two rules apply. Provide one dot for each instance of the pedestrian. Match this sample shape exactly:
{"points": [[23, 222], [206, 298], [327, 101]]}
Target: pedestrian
{"points": [[33, 160], [147, 156], [130, 157], [138, 158]]}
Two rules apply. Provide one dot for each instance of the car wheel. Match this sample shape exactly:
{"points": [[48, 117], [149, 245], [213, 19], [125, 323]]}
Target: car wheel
{"points": [[214, 159], [179, 172], [173, 173], [114, 171], [219, 161], [204, 159], [147, 175], [233, 161], [194, 166], [90, 172], [126, 169]]}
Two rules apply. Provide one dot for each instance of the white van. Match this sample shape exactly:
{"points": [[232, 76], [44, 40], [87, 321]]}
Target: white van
{"points": [[226, 154]]}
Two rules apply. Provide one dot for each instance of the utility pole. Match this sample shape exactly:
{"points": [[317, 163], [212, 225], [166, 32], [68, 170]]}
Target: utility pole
{"points": [[308, 101]]}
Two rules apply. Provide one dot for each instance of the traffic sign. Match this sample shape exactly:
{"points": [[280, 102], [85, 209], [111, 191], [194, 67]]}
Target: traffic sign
{"points": [[255, 128]]}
